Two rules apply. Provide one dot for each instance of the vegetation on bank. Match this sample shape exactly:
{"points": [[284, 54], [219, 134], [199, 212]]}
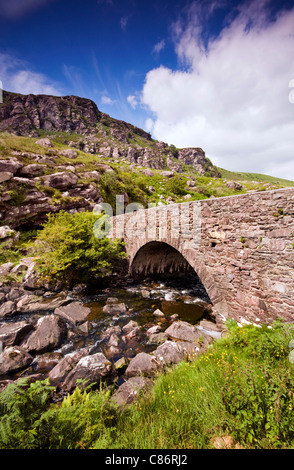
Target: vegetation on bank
{"points": [[71, 249], [241, 387]]}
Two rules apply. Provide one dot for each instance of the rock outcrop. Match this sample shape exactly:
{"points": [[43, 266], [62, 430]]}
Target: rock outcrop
{"points": [[22, 114]]}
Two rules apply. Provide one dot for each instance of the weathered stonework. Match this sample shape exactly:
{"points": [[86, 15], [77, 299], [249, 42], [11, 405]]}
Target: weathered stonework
{"points": [[242, 251]]}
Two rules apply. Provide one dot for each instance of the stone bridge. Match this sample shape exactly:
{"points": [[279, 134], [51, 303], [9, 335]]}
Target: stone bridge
{"points": [[241, 247]]}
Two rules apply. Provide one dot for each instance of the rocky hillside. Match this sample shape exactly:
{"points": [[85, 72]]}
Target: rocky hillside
{"points": [[98, 133], [63, 153]]}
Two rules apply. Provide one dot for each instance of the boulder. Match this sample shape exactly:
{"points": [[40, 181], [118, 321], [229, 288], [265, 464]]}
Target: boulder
{"points": [[14, 358], [158, 313], [157, 338], [115, 309], [10, 165], [6, 268], [130, 390], [148, 172], [32, 170], [169, 353], [234, 185], [142, 364], [7, 309], [45, 142], [90, 369], [61, 180], [111, 330], [6, 232], [153, 329], [13, 333], [131, 325], [60, 371], [75, 312], [183, 331], [92, 175], [32, 303], [69, 153], [5, 176], [167, 174], [48, 335]]}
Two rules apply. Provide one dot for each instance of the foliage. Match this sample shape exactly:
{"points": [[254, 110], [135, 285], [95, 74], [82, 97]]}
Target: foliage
{"points": [[68, 250], [176, 185], [241, 387], [20, 407]]}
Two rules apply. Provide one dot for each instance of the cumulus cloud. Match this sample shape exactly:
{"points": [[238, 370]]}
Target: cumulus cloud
{"points": [[231, 93], [17, 76]]}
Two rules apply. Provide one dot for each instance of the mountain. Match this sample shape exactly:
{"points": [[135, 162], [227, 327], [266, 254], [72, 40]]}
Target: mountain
{"points": [[63, 153]]}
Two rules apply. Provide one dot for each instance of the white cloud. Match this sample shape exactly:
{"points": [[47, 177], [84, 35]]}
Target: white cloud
{"points": [[105, 99], [149, 124], [16, 76], [232, 97], [132, 100], [159, 46]]}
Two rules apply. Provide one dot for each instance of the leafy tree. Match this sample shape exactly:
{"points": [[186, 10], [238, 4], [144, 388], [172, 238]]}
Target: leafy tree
{"points": [[68, 250]]}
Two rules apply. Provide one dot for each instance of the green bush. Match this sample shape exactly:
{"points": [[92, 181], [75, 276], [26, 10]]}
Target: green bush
{"points": [[69, 252], [176, 185]]}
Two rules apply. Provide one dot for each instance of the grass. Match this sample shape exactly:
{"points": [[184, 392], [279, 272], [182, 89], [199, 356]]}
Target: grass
{"points": [[242, 387], [260, 178]]}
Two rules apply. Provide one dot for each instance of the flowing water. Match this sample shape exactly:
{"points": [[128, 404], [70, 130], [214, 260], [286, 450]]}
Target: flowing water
{"points": [[183, 296]]}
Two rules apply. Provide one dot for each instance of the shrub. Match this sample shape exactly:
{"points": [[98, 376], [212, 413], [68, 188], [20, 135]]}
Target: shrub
{"points": [[176, 185], [68, 251]]}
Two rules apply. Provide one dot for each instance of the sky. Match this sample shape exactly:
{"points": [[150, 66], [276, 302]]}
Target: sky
{"points": [[215, 74]]}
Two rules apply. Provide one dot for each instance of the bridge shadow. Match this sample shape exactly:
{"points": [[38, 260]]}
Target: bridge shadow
{"points": [[160, 261]]}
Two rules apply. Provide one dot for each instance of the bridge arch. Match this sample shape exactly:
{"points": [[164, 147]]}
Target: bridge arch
{"points": [[161, 257]]}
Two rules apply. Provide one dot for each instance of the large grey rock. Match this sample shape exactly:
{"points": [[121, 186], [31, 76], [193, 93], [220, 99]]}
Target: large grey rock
{"points": [[115, 309], [6, 268], [69, 153], [169, 353], [142, 364], [75, 312], [31, 303], [182, 331], [6, 232], [13, 333], [14, 358], [32, 170], [60, 371], [10, 165], [50, 331], [7, 309], [45, 142], [130, 390], [5, 176], [89, 369], [61, 180]]}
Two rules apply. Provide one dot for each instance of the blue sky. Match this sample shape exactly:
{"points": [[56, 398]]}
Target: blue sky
{"points": [[213, 74]]}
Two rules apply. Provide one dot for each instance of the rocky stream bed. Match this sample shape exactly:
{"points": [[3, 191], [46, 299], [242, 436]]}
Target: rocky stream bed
{"points": [[120, 335]]}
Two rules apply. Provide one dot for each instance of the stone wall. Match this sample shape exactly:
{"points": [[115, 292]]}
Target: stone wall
{"points": [[241, 247]]}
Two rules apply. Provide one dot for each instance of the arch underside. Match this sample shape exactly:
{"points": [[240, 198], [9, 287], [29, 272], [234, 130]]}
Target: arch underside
{"points": [[161, 260]]}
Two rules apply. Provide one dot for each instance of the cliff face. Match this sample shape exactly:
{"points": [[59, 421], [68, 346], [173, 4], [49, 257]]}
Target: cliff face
{"points": [[21, 114]]}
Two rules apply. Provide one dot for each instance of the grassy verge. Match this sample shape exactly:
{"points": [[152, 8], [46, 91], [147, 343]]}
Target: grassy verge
{"points": [[241, 388]]}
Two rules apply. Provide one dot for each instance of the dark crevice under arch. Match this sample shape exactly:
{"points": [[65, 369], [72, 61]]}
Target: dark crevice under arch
{"points": [[159, 260]]}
